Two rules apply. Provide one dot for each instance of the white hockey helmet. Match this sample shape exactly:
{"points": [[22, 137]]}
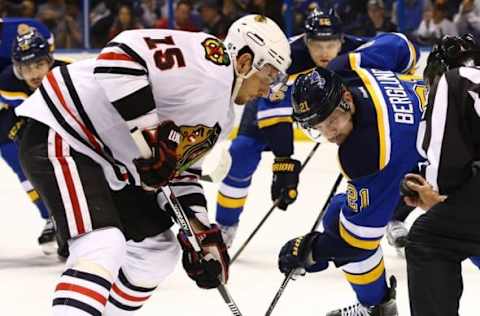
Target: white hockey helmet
{"points": [[264, 38]]}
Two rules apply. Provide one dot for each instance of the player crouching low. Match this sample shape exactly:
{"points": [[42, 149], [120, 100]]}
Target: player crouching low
{"points": [[358, 116], [178, 88]]}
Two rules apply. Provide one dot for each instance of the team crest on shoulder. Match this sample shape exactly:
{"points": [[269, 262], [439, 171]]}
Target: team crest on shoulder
{"points": [[195, 142], [278, 93], [215, 51]]}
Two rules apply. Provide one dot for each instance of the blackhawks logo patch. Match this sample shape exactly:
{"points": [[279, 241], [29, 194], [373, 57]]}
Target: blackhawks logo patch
{"points": [[216, 52], [195, 142]]}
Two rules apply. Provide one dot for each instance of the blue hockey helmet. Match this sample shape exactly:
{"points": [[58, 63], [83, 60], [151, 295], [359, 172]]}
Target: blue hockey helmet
{"points": [[315, 96], [323, 25], [29, 45], [451, 52]]}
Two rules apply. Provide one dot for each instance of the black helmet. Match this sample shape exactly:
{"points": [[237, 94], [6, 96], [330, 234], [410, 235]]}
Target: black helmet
{"points": [[315, 96], [450, 52], [323, 25], [29, 45]]}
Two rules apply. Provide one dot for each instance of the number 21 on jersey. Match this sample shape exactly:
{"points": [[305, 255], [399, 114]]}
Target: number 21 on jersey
{"points": [[357, 200]]}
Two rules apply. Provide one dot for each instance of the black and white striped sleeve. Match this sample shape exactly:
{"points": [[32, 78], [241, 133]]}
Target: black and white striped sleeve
{"points": [[449, 140], [123, 74]]}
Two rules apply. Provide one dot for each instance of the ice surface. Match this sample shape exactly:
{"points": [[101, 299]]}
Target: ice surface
{"points": [[28, 278]]}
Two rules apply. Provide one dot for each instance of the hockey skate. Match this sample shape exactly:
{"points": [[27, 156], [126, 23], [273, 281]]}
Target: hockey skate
{"points": [[228, 233], [397, 235], [387, 308], [47, 239]]}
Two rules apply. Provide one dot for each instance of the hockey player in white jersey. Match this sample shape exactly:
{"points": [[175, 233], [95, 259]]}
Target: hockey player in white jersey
{"points": [[178, 88]]}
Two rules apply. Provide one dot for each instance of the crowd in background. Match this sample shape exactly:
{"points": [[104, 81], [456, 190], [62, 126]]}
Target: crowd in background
{"points": [[423, 21]]}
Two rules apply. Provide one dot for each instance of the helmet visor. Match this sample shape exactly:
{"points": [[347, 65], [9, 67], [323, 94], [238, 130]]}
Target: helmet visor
{"points": [[270, 75]]}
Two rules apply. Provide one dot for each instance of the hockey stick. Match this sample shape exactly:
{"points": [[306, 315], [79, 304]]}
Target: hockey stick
{"points": [[187, 229], [182, 220], [270, 211], [290, 274]]}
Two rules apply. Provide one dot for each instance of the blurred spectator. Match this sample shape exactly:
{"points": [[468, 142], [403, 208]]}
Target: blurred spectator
{"points": [[377, 22], [25, 9], [6, 9], [354, 15], [214, 22], [65, 29], [150, 13], [434, 25], [270, 8], [412, 15], [451, 7], [233, 9], [101, 19], [28, 9], [125, 20], [468, 17], [183, 18]]}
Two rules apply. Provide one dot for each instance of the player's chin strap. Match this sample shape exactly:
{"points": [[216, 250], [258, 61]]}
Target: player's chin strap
{"points": [[239, 78]]}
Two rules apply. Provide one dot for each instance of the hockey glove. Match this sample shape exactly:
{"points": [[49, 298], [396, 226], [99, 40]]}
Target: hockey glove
{"points": [[296, 255], [163, 140], [211, 269], [285, 181]]}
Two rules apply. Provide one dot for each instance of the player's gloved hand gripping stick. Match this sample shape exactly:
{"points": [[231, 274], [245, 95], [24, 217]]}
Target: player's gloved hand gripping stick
{"points": [[291, 273], [182, 220]]}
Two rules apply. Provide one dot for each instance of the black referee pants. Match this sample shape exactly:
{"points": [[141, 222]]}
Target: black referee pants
{"points": [[438, 242]]}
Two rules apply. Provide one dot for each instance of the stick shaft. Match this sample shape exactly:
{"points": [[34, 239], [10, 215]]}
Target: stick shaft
{"points": [[270, 211], [290, 274]]}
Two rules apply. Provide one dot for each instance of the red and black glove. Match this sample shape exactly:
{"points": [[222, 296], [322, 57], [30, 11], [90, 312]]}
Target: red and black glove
{"points": [[211, 269], [285, 181], [163, 140]]}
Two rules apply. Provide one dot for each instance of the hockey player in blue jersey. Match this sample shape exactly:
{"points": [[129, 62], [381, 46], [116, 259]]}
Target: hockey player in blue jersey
{"points": [[266, 124], [32, 59], [373, 112], [8, 32]]}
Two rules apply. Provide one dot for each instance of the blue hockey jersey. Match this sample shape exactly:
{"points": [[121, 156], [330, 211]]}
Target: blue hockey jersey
{"points": [[380, 150], [389, 51]]}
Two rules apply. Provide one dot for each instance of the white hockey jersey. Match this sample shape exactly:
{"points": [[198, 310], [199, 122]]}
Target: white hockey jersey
{"points": [[141, 78]]}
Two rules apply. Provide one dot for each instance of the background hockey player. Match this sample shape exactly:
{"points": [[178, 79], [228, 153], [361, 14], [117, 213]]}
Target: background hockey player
{"points": [[266, 125], [8, 32], [372, 112], [178, 88], [449, 138], [32, 58]]}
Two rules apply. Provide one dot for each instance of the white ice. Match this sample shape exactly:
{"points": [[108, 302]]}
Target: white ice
{"points": [[28, 278]]}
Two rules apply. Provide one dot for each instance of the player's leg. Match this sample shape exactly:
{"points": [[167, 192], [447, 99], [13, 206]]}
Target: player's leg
{"points": [[148, 263], [9, 152], [79, 198], [357, 250], [246, 154]]}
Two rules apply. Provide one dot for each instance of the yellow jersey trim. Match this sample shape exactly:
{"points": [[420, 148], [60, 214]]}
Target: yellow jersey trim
{"points": [[274, 120], [33, 195], [13, 94], [378, 108], [228, 202], [366, 278], [356, 242]]}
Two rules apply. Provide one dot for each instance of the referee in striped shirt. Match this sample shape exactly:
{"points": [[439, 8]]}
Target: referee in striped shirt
{"points": [[449, 188]]}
